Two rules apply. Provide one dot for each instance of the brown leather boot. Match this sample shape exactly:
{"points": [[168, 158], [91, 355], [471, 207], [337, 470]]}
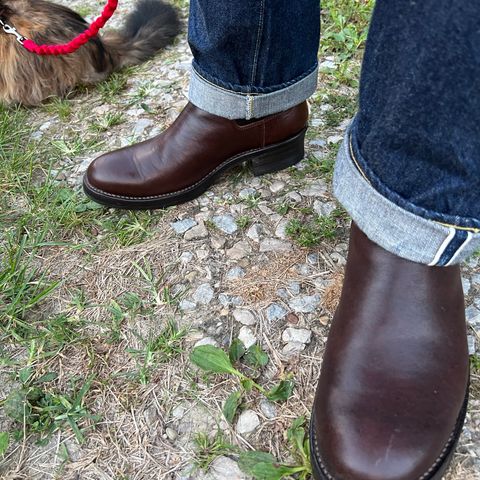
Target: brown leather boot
{"points": [[392, 394], [182, 162]]}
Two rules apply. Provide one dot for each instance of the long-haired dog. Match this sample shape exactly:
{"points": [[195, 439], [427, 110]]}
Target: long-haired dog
{"points": [[29, 79]]}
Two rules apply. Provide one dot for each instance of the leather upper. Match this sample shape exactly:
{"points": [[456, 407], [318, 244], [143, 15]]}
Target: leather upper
{"points": [[395, 372], [194, 145]]}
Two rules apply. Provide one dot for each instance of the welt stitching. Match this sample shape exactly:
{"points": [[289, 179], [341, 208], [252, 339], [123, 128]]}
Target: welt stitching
{"points": [[176, 192], [439, 459]]}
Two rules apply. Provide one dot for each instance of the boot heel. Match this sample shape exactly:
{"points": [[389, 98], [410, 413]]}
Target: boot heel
{"points": [[279, 156]]}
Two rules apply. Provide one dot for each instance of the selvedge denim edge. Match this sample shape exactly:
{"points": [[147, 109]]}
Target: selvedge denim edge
{"points": [[395, 229], [234, 105]]}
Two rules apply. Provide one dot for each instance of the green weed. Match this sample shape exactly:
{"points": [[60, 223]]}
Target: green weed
{"points": [[309, 234]]}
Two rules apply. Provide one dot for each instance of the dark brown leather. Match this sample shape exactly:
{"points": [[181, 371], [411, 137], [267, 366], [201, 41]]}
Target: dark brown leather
{"points": [[193, 146], [395, 371]]}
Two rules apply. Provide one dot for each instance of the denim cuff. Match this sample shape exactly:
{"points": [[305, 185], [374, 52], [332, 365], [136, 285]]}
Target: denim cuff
{"points": [[395, 229], [230, 104]]}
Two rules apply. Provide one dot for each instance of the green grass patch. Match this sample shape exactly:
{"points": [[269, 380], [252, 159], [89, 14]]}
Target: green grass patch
{"points": [[311, 233]]}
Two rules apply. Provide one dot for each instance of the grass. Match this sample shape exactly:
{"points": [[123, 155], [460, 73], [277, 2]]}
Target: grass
{"points": [[208, 448], [313, 232], [345, 26], [107, 121], [93, 343], [42, 411], [161, 348]]}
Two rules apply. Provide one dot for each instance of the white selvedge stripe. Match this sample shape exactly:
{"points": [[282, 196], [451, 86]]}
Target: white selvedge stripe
{"points": [[460, 250], [443, 247]]}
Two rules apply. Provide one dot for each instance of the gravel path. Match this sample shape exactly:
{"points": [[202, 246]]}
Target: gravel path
{"points": [[234, 271]]}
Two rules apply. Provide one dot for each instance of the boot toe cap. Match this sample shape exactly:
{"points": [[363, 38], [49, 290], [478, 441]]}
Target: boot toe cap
{"points": [[114, 174]]}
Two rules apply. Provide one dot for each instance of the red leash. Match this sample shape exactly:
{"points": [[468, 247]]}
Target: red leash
{"points": [[76, 43]]}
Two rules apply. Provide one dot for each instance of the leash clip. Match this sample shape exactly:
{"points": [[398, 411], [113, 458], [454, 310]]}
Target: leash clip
{"points": [[9, 30]]}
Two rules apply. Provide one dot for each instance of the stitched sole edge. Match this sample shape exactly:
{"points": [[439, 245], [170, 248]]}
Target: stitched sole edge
{"points": [[195, 190], [435, 472]]}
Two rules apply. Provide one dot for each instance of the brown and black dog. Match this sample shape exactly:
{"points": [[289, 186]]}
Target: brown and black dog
{"points": [[28, 79]]}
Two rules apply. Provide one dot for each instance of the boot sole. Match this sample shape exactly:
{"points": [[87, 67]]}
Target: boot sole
{"points": [[261, 161], [437, 470]]}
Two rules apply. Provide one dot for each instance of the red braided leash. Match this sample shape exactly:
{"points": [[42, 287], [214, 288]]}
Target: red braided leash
{"points": [[77, 42]]}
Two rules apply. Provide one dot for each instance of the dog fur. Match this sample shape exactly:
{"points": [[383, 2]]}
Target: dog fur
{"points": [[29, 79]]}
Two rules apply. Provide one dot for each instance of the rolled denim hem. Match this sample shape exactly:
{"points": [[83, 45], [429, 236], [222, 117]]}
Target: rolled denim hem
{"points": [[395, 229], [234, 105]]}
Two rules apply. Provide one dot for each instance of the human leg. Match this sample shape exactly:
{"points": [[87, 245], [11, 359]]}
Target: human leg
{"points": [[392, 394]]}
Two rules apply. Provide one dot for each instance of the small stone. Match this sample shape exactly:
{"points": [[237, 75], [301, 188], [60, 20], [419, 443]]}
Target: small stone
{"points": [[324, 320], [245, 317], [476, 279], [228, 300], [36, 135], [239, 250], [294, 197], [466, 284], [274, 245], [247, 337], [312, 258], [339, 259], [179, 411], [472, 348], [277, 186], [191, 276], [186, 257], [324, 209], [305, 303], [248, 422], [283, 294], [268, 409], [303, 269], [172, 435], [294, 288], [300, 335], [471, 312], [318, 142], [472, 315], [317, 189], [202, 254], [235, 273], [281, 230], [203, 294], [292, 348], [328, 64], [187, 305], [254, 232], [275, 312], [266, 210], [197, 233], [218, 242], [225, 223], [140, 126], [181, 226], [247, 193], [224, 468], [206, 341], [335, 139], [292, 319]]}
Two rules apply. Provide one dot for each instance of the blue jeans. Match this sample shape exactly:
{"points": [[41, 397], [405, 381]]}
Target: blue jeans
{"points": [[253, 58], [408, 171]]}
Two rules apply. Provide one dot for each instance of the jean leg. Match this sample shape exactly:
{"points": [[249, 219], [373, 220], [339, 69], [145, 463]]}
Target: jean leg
{"points": [[253, 57], [409, 170], [418, 126]]}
